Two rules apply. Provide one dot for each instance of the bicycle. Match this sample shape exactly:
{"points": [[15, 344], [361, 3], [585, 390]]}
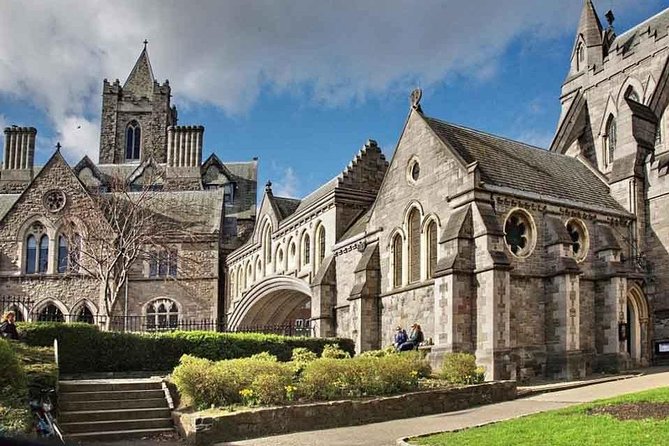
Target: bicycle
{"points": [[45, 423]]}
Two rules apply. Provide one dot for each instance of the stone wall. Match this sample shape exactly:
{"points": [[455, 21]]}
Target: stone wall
{"points": [[203, 430]]}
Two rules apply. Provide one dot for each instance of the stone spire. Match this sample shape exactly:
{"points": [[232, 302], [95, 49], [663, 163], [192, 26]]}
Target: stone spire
{"points": [[140, 81], [588, 46]]}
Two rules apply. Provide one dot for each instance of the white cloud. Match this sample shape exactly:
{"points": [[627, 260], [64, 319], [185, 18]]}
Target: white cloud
{"points": [[78, 137], [227, 53], [288, 185]]}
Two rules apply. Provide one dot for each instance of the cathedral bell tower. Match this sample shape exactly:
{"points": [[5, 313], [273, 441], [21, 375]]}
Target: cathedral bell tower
{"points": [[135, 116]]}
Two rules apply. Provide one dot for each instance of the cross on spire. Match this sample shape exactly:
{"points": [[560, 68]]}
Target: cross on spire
{"points": [[58, 146], [146, 42]]}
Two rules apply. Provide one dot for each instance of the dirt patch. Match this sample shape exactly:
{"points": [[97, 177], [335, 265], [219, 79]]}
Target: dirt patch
{"points": [[634, 411]]}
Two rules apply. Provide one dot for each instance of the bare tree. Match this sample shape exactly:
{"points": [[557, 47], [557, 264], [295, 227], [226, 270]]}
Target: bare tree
{"points": [[136, 222]]}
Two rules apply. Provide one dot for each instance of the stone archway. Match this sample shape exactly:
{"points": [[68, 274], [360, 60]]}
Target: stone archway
{"points": [[270, 302], [637, 336]]}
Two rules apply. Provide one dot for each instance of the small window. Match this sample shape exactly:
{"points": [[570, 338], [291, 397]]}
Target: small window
{"points": [[43, 261], [321, 245], [31, 255], [397, 261], [279, 256], [161, 315], [133, 138], [414, 246], [580, 56], [610, 139], [431, 248], [163, 263], [229, 194], [306, 250], [413, 170], [519, 233], [63, 254]]}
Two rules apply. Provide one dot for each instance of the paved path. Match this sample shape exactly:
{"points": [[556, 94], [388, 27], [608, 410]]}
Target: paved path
{"points": [[386, 434]]}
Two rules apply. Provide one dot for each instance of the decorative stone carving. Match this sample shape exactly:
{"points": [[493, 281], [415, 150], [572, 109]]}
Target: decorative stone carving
{"points": [[54, 200]]}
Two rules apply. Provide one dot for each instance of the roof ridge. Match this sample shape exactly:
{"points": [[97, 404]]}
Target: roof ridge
{"points": [[482, 132], [645, 22]]}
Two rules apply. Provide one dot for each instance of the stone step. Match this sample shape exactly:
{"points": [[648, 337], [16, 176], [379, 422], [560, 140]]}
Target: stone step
{"points": [[86, 437], [85, 405], [115, 425], [113, 415], [107, 385], [110, 395]]}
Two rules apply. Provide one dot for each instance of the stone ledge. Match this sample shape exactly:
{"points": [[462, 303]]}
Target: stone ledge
{"points": [[201, 430]]}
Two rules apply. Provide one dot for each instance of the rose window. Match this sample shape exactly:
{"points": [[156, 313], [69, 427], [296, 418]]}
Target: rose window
{"points": [[579, 239], [54, 200], [518, 233]]}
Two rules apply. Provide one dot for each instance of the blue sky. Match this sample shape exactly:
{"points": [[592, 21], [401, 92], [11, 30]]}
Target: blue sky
{"points": [[301, 86]]}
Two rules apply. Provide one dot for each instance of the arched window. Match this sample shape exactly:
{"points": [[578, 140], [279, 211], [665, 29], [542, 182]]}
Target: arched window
{"points": [[162, 314], [233, 284], [431, 248], [43, 261], [397, 261], [63, 254], [306, 250], [241, 279], [291, 259], [50, 313], [610, 140], [320, 240], [580, 56], [31, 254], [84, 315], [133, 139], [414, 246]]}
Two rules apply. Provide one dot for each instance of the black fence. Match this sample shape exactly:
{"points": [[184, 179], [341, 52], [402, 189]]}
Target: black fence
{"points": [[25, 310]]}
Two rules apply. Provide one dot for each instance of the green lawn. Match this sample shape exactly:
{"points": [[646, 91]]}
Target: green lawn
{"points": [[571, 426]]}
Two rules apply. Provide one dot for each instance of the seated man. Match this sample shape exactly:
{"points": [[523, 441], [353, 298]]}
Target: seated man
{"points": [[400, 338]]}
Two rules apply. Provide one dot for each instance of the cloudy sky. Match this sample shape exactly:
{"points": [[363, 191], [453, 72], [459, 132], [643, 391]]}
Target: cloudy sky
{"points": [[299, 83]]}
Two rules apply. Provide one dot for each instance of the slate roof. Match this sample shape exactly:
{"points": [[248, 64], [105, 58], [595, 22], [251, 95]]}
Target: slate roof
{"points": [[658, 23], [318, 194], [358, 226], [245, 170], [286, 206], [6, 203], [507, 163]]}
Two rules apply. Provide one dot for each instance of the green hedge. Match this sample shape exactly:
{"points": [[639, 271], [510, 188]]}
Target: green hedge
{"points": [[84, 349]]}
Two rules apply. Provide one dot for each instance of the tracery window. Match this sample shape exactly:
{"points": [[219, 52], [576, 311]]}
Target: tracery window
{"points": [[133, 139], [162, 314], [431, 248], [163, 263], [519, 233], [50, 313], [397, 261], [579, 238], [414, 245]]}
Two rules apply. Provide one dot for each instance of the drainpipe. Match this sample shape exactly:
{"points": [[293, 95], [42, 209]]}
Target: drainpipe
{"points": [[125, 311]]}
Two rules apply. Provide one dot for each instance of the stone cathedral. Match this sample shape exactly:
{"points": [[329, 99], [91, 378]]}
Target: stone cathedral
{"points": [[540, 261], [142, 147]]}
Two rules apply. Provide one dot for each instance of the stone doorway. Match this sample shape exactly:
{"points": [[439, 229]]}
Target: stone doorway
{"points": [[636, 328]]}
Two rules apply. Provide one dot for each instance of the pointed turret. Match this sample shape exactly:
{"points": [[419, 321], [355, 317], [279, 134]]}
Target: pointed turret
{"points": [[140, 81], [588, 49]]}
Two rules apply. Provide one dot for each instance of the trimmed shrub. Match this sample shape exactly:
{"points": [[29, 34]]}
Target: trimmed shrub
{"points": [[270, 389], [326, 378], [380, 353], [332, 351], [460, 368], [205, 383], [84, 349], [303, 355]]}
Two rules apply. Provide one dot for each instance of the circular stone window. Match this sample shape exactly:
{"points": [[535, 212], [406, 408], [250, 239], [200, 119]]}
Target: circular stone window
{"points": [[414, 170], [54, 200], [519, 233], [579, 239]]}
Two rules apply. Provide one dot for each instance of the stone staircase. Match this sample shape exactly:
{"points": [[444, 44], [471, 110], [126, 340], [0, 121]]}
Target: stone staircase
{"points": [[112, 409]]}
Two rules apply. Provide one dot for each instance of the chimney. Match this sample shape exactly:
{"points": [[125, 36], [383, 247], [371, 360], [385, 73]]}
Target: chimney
{"points": [[19, 150], [184, 146]]}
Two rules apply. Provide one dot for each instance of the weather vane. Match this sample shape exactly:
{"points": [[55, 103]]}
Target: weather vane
{"points": [[415, 97]]}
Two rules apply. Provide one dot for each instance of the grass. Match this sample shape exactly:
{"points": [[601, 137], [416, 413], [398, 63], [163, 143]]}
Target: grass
{"points": [[41, 372], [570, 426]]}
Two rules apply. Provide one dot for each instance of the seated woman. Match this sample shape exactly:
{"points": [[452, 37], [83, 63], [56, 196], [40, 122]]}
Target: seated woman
{"points": [[400, 338], [415, 339]]}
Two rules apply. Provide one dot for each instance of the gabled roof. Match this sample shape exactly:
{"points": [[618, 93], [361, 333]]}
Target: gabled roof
{"points": [[6, 203], [512, 164], [140, 81], [285, 206], [656, 24]]}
